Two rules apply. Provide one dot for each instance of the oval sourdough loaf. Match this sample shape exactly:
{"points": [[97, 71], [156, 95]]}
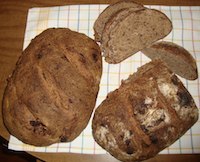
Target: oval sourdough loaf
{"points": [[52, 92], [136, 31], [109, 12], [178, 59], [149, 111]]}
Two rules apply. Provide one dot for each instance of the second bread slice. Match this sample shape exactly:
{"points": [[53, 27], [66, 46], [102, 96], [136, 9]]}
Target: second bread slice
{"points": [[178, 59]]}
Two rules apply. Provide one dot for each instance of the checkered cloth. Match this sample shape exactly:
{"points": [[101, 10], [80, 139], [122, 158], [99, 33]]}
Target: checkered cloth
{"points": [[186, 32]]}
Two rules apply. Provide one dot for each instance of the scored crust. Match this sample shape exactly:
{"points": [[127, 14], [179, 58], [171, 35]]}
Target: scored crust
{"points": [[135, 32], [104, 17], [152, 104], [178, 59], [52, 92]]}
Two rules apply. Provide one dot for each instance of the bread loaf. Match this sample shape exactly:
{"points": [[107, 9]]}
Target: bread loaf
{"points": [[149, 112], [178, 59], [136, 31], [109, 12], [51, 94]]}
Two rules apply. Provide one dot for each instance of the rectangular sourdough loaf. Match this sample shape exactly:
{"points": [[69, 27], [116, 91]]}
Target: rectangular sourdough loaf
{"points": [[149, 111]]}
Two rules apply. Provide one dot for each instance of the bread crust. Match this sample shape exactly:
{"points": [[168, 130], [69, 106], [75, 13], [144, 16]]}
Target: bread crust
{"points": [[177, 58], [52, 92], [147, 113]]}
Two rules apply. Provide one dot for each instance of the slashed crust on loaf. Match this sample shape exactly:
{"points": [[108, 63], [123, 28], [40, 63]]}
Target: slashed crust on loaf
{"points": [[104, 17], [136, 31], [52, 92], [149, 111], [178, 59]]}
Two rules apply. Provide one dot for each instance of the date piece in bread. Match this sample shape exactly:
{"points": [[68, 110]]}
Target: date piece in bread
{"points": [[109, 12], [51, 94], [178, 59], [149, 111], [135, 32]]}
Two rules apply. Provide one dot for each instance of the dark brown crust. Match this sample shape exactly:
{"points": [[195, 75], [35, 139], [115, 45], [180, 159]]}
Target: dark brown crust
{"points": [[143, 116], [177, 51], [52, 92]]}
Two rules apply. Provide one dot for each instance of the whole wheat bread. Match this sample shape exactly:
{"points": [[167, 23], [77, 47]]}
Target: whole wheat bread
{"points": [[109, 12], [51, 94], [114, 21], [178, 59], [136, 31], [147, 113]]}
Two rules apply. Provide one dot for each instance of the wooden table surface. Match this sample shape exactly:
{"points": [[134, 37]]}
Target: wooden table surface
{"points": [[13, 15]]}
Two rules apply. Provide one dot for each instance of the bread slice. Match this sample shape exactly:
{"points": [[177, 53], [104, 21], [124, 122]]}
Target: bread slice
{"points": [[109, 12], [114, 21], [138, 30], [147, 113], [178, 59]]}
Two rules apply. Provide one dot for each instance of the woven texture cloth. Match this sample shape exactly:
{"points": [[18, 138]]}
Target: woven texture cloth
{"points": [[186, 32]]}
